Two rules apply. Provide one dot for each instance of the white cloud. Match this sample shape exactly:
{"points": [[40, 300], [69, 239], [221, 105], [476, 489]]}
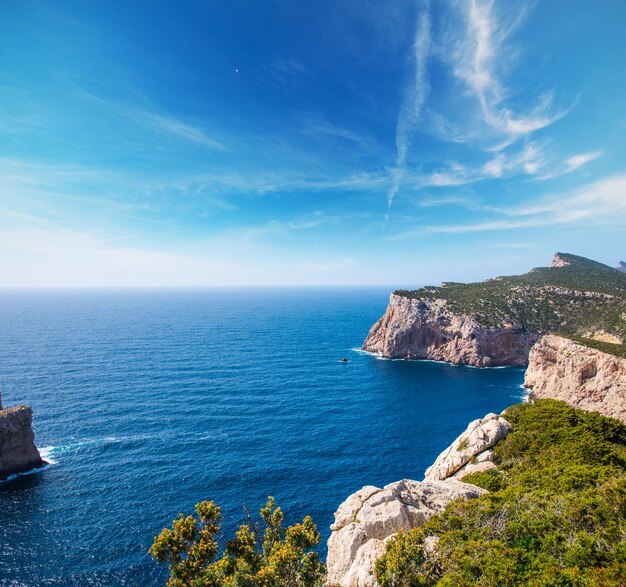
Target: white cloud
{"points": [[577, 161], [477, 55], [602, 200], [173, 127], [571, 164], [416, 93]]}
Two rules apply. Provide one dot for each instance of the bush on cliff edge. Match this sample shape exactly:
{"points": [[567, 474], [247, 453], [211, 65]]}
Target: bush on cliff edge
{"points": [[283, 558], [556, 514]]}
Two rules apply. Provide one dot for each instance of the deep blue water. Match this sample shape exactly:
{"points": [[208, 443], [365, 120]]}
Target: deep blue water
{"points": [[152, 401]]}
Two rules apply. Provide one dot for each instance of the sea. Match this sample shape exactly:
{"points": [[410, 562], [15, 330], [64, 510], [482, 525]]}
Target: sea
{"points": [[146, 402]]}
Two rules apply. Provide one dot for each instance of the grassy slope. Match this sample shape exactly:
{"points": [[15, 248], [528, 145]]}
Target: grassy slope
{"points": [[544, 299], [555, 514]]}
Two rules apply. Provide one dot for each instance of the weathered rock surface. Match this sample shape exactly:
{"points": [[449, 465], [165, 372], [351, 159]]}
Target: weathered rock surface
{"points": [[470, 448], [18, 452], [583, 377], [369, 517], [427, 329], [559, 261]]}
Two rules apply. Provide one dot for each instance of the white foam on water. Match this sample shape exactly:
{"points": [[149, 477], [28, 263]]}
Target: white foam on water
{"points": [[46, 453], [30, 472]]}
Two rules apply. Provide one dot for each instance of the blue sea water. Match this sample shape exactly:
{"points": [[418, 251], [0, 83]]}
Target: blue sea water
{"points": [[150, 401]]}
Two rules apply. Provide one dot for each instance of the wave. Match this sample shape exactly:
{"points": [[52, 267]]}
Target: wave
{"points": [[29, 472], [380, 357], [525, 397]]}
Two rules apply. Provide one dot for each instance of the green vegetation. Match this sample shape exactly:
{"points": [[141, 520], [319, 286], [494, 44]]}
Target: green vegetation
{"points": [[284, 558], [556, 514], [580, 298], [619, 350]]}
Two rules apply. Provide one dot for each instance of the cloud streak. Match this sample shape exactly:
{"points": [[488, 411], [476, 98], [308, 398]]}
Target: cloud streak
{"points": [[415, 96], [602, 200], [477, 58]]}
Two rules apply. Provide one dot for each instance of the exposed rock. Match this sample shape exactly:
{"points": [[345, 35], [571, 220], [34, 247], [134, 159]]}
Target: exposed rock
{"points": [[559, 261], [583, 377], [427, 329], [480, 463], [603, 336], [479, 436], [621, 266], [368, 518], [18, 452]]}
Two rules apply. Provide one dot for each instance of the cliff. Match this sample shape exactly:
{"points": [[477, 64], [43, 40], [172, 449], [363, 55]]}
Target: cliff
{"points": [[584, 377], [496, 322], [428, 329], [547, 510], [18, 452]]}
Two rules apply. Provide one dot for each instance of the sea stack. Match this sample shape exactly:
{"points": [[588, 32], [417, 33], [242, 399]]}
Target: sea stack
{"points": [[18, 453]]}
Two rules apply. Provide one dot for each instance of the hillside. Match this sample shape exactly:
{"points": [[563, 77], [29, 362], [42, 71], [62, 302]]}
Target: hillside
{"points": [[575, 296], [554, 515]]}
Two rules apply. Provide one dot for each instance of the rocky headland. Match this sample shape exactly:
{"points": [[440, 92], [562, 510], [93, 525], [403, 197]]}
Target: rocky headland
{"points": [[414, 328], [496, 322], [18, 453], [502, 321]]}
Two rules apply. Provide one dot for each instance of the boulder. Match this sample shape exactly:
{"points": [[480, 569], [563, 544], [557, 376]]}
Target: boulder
{"points": [[371, 516], [479, 436]]}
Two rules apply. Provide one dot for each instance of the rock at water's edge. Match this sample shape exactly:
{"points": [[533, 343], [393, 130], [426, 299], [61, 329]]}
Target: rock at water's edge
{"points": [[468, 449], [585, 378], [370, 517], [427, 329], [18, 452]]}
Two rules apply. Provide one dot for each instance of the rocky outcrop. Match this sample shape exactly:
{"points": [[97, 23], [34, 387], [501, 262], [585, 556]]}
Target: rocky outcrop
{"points": [[470, 452], [585, 378], [18, 452], [559, 260], [371, 516], [427, 329]]}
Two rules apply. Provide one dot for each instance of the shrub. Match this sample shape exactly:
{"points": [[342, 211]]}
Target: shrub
{"points": [[555, 514], [283, 558]]}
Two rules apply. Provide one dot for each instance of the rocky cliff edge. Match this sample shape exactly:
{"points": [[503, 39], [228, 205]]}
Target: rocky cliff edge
{"points": [[427, 329], [18, 452], [584, 377]]}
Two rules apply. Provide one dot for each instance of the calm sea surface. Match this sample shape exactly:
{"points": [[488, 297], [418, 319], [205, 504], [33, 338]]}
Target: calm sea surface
{"points": [[152, 401]]}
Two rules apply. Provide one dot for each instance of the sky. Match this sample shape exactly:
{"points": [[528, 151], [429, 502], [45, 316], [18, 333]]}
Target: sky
{"points": [[352, 142]]}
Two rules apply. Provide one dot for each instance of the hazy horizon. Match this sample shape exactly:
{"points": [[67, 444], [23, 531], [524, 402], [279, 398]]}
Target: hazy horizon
{"points": [[280, 144]]}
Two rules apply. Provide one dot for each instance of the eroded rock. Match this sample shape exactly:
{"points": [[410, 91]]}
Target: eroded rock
{"points": [[368, 518], [427, 329], [585, 378], [479, 436], [18, 452]]}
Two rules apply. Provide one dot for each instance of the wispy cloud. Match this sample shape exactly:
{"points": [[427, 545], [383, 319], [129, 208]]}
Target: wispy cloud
{"points": [[529, 160], [284, 69], [476, 57], [571, 164], [174, 127], [415, 95], [602, 200]]}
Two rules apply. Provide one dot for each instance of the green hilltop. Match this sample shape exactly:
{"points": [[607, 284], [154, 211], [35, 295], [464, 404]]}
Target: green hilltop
{"points": [[579, 298]]}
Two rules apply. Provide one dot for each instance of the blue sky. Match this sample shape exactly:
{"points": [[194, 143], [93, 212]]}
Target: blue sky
{"points": [[307, 143]]}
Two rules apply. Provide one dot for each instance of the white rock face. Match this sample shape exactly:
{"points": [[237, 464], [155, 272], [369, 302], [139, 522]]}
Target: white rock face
{"points": [[479, 436], [558, 261], [583, 377], [369, 517], [427, 329]]}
